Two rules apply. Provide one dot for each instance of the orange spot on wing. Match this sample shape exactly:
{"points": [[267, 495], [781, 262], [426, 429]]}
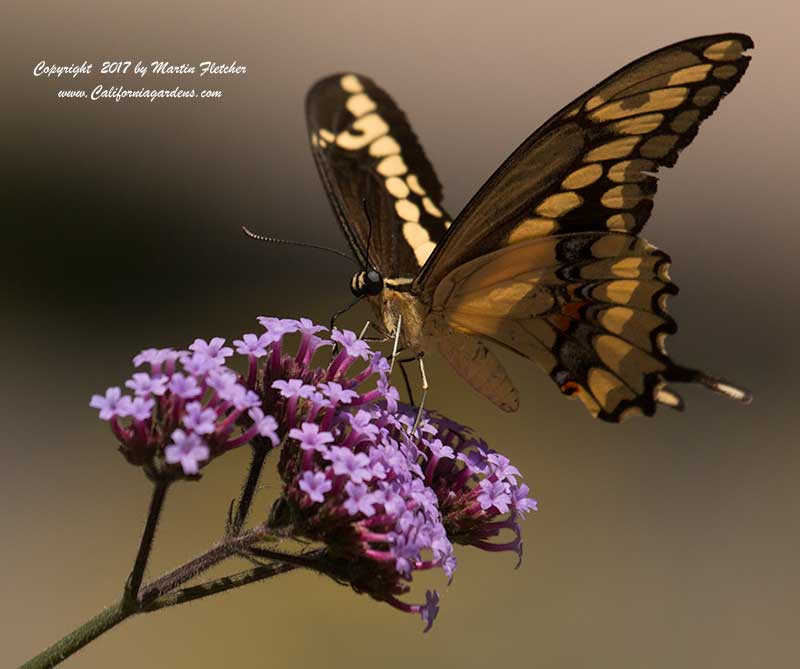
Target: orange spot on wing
{"points": [[570, 388]]}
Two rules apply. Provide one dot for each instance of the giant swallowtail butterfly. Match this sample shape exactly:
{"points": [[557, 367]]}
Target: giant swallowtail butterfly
{"points": [[545, 259]]}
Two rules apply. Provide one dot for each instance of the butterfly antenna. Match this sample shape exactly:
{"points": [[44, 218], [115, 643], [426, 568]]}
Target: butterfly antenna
{"points": [[335, 317], [275, 240]]}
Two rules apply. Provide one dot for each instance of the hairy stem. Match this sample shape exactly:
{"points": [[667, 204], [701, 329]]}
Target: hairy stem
{"points": [[259, 454], [148, 594], [177, 577], [140, 564], [218, 585], [81, 636]]}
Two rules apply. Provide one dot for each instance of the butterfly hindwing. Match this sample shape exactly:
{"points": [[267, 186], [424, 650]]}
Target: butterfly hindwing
{"points": [[365, 149], [590, 167], [589, 308]]}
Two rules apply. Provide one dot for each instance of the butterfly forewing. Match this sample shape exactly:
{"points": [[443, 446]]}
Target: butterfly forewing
{"points": [[365, 150], [590, 167]]}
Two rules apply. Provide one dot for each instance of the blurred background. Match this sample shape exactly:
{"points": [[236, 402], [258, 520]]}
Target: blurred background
{"points": [[663, 542]]}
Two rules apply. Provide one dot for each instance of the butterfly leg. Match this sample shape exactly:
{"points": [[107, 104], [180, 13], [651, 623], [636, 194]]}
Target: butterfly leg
{"points": [[410, 393], [396, 342], [379, 339], [424, 394]]}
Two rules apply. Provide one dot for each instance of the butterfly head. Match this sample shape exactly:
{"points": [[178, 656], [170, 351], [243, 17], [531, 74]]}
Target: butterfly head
{"points": [[366, 283]]}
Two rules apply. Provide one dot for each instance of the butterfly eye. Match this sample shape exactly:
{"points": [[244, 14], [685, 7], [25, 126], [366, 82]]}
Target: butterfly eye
{"points": [[366, 283], [373, 283]]}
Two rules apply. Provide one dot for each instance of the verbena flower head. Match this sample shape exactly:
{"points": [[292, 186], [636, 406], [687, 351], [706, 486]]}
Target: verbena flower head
{"points": [[384, 501], [183, 411]]}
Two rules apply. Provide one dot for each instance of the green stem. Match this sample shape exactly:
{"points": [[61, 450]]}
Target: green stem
{"points": [[148, 594], [78, 638], [140, 564], [198, 565], [219, 585]]}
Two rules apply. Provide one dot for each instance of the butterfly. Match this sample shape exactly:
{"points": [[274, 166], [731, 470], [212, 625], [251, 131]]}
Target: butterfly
{"points": [[544, 260]]}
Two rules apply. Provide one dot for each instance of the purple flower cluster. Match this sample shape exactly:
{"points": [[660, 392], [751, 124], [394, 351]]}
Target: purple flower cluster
{"points": [[478, 489], [183, 412], [386, 502]]}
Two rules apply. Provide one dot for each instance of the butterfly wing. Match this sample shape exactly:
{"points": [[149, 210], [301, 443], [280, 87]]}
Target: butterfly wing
{"points": [[588, 307], [542, 260], [365, 149], [590, 167]]}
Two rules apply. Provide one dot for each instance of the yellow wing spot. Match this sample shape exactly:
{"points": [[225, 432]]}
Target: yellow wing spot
{"points": [[360, 104], [314, 139], [619, 148], [323, 143], [627, 268], [658, 100], [658, 146], [582, 177], [423, 251], [706, 95], [532, 228], [393, 166], [384, 146], [369, 127], [638, 125], [327, 135], [588, 401], [620, 292], [630, 412], [621, 222], [626, 196], [612, 350], [661, 341], [610, 246], [725, 71], [431, 208], [447, 224], [615, 319], [413, 184], [351, 84], [627, 361], [685, 120], [668, 398], [630, 170], [594, 103], [397, 187], [407, 210], [689, 75], [559, 204], [415, 234], [728, 50], [607, 388]]}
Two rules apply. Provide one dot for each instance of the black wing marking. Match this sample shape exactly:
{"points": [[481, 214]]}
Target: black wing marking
{"points": [[364, 148], [589, 168]]}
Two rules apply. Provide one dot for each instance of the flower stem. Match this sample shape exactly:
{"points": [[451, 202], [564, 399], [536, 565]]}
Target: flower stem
{"points": [[218, 585], [259, 454], [148, 594], [137, 573], [177, 577], [81, 636]]}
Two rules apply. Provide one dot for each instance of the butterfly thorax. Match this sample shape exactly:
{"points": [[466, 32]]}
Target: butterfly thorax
{"points": [[393, 306]]}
